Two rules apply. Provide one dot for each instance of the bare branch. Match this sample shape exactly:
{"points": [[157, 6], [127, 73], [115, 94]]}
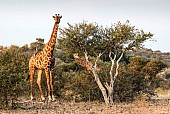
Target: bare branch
{"points": [[107, 86], [86, 55], [110, 55], [111, 68], [97, 59], [117, 63]]}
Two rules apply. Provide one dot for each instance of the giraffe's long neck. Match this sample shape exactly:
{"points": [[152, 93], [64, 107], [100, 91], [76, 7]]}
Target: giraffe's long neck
{"points": [[49, 47]]}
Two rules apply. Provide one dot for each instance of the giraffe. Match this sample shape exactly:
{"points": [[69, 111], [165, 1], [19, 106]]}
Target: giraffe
{"points": [[44, 60], [83, 62]]}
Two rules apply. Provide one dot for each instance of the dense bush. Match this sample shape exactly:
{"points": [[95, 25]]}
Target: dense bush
{"points": [[13, 68], [128, 86]]}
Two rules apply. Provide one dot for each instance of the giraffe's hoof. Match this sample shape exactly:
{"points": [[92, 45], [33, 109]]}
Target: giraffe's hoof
{"points": [[53, 99], [33, 99], [42, 98], [49, 98]]}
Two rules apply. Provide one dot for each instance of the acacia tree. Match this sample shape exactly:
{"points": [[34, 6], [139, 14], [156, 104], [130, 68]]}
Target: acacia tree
{"points": [[92, 40]]}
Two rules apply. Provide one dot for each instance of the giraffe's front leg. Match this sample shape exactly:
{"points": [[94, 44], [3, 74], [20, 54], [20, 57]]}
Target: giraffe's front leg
{"points": [[47, 72], [39, 85], [52, 88]]}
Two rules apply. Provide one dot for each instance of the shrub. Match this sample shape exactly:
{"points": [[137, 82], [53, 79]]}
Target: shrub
{"points": [[129, 86]]}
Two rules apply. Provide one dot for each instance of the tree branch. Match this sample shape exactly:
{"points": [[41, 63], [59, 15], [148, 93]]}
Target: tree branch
{"points": [[111, 68], [97, 59], [86, 55], [117, 64], [107, 86]]}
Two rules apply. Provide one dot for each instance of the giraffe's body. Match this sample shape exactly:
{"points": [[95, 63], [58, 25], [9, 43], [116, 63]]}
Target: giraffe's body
{"points": [[43, 61]]}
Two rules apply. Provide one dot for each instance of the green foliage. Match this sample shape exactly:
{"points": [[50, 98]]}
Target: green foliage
{"points": [[136, 64], [121, 35], [79, 86], [81, 37], [149, 68], [153, 67], [13, 68], [133, 81], [95, 39], [128, 86], [150, 54]]}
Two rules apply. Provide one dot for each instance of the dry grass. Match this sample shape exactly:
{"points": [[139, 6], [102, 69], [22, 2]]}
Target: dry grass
{"points": [[63, 107]]}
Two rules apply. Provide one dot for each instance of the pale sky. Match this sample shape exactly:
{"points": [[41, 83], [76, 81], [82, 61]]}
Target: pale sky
{"points": [[22, 21]]}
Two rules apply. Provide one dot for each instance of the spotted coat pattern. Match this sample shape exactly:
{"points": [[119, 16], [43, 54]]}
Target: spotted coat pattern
{"points": [[44, 60]]}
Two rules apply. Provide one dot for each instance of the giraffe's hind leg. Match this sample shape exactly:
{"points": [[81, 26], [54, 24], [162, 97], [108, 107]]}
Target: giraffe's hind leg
{"points": [[32, 69], [51, 85]]}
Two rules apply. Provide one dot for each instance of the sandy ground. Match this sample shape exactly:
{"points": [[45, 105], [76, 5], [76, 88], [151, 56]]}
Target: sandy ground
{"points": [[63, 107]]}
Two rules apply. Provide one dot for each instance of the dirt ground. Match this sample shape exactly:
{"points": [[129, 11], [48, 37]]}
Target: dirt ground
{"points": [[63, 107]]}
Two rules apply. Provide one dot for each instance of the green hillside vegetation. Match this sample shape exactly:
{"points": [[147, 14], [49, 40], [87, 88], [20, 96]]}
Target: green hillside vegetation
{"points": [[150, 54]]}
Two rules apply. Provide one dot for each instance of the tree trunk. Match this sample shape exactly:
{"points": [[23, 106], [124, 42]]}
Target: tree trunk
{"points": [[101, 87], [97, 79]]}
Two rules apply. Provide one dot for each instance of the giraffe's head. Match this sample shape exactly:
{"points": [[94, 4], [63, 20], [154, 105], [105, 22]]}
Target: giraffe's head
{"points": [[57, 18], [75, 55]]}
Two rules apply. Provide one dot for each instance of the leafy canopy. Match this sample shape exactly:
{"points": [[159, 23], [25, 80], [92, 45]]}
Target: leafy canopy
{"points": [[96, 39]]}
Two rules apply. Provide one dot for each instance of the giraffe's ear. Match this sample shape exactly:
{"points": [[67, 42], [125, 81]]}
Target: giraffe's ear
{"points": [[53, 16]]}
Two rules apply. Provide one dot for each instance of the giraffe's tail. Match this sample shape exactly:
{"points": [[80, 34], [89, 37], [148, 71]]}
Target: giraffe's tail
{"points": [[28, 78]]}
